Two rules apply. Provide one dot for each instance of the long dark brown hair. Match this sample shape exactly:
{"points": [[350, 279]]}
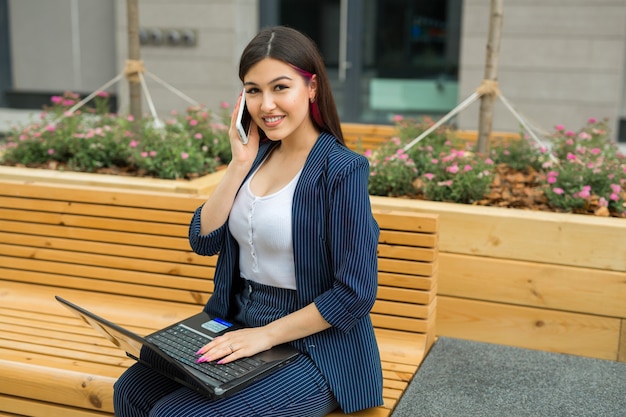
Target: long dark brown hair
{"points": [[298, 50]]}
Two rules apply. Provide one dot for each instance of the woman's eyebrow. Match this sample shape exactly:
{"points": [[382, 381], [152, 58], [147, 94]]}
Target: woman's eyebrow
{"points": [[275, 80]]}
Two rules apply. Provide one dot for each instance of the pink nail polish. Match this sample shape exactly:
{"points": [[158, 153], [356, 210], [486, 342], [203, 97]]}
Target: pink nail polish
{"points": [[199, 351], [201, 360]]}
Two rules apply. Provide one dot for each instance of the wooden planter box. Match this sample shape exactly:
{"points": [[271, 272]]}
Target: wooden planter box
{"points": [[548, 281]]}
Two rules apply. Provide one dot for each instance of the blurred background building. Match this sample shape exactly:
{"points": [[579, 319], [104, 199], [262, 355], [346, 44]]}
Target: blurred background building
{"points": [[560, 62]]}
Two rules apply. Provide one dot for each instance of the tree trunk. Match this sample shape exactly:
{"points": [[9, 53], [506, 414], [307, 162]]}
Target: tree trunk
{"points": [[134, 85], [488, 96]]}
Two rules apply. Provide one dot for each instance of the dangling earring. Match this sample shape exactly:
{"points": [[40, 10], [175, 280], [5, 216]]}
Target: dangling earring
{"points": [[312, 99]]}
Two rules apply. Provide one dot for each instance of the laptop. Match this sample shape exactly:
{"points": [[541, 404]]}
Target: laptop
{"points": [[171, 351]]}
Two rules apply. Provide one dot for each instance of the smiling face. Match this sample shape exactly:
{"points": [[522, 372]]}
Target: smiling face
{"points": [[278, 97]]}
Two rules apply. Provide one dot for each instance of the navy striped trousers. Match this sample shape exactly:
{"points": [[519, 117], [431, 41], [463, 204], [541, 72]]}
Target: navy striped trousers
{"points": [[298, 389]]}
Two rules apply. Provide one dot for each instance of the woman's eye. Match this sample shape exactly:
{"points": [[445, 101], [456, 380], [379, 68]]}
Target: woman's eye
{"points": [[252, 90], [280, 87]]}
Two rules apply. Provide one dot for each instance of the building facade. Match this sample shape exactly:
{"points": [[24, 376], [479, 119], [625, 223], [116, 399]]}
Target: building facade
{"points": [[560, 62]]}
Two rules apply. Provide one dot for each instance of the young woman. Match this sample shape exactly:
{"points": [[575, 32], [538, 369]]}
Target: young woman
{"points": [[292, 223]]}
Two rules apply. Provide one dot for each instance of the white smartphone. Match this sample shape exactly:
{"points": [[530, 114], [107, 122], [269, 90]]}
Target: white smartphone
{"points": [[243, 119]]}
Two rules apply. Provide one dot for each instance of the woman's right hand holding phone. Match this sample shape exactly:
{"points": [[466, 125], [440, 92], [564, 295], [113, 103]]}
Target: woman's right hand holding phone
{"points": [[243, 154]]}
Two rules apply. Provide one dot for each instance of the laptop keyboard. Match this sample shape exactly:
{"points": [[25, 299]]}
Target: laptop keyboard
{"points": [[181, 343]]}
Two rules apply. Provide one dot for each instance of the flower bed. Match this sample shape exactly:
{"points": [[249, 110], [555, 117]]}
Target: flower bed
{"points": [[186, 146], [583, 172]]}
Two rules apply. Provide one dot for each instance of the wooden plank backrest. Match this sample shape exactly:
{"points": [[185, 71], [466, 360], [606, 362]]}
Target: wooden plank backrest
{"points": [[365, 136], [135, 243], [362, 137]]}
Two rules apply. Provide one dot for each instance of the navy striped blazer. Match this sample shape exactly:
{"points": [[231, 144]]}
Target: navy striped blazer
{"points": [[335, 238]]}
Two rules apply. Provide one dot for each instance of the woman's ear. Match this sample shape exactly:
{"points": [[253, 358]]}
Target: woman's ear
{"points": [[313, 88]]}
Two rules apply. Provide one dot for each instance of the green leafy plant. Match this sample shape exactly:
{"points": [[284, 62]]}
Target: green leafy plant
{"points": [[585, 174], [91, 139], [591, 173]]}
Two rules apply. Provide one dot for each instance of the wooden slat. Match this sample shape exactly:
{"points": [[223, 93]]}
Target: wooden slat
{"points": [[99, 223], [96, 210], [107, 287], [407, 221], [533, 328], [88, 264], [148, 312], [407, 253], [106, 248], [407, 281], [404, 295], [28, 408], [406, 267], [495, 233], [532, 284], [395, 237], [62, 231], [103, 195]]}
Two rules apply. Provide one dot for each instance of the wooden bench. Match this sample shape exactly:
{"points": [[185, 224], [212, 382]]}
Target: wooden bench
{"points": [[125, 255], [361, 137]]}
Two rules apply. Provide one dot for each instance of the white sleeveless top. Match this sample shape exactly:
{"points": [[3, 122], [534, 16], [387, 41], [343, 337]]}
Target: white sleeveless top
{"points": [[262, 227]]}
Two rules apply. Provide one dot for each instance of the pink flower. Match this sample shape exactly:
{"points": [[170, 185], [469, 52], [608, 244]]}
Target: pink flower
{"points": [[184, 155], [453, 169], [133, 143], [153, 153], [467, 168], [144, 154], [198, 136], [551, 180], [445, 183], [436, 161], [193, 122], [559, 128], [571, 156], [585, 193], [368, 153], [50, 128], [569, 142], [614, 197], [570, 133], [616, 188], [489, 161], [602, 202], [224, 105], [56, 99], [68, 103], [50, 151], [596, 151], [557, 190], [397, 118], [592, 120], [102, 94], [584, 136], [131, 118], [429, 176]]}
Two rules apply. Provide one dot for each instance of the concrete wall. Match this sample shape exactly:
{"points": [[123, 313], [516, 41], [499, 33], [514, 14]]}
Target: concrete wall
{"points": [[561, 62], [59, 45], [206, 72]]}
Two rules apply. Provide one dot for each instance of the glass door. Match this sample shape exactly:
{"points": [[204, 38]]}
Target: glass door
{"points": [[384, 57]]}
